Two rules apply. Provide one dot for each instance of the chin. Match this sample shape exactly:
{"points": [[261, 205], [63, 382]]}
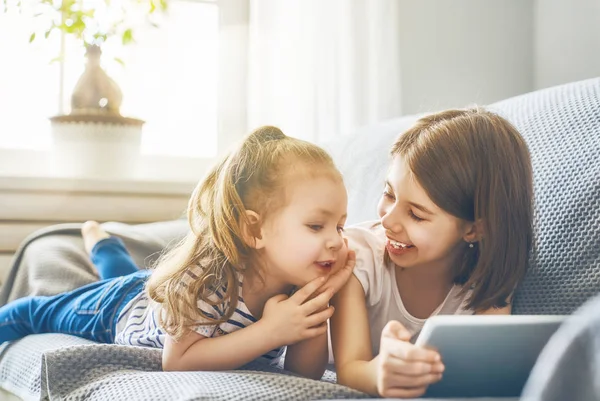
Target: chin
{"points": [[400, 261], [313, 277]]}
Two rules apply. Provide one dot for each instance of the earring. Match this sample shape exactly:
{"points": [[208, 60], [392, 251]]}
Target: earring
{"points": [[470, 245]]}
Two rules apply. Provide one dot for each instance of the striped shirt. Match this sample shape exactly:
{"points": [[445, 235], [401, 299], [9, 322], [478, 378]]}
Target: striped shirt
{"points": [[137, 323]]}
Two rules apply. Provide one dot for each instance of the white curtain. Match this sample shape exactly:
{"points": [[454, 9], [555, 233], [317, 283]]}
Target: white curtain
{"points": [[322, 68]]}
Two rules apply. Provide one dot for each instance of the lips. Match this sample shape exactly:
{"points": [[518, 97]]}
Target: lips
{"points": [[398, 247], [399, 244], [326, 264]]}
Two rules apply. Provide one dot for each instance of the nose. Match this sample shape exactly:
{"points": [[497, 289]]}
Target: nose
{"points": [[335, 242], [390, 220]]}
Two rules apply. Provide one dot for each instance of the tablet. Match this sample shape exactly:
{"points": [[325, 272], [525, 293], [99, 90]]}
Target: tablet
{"points": [[486, 356]]}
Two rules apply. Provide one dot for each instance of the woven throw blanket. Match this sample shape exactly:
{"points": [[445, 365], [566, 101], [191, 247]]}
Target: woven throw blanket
{"points": [[62, 367]]}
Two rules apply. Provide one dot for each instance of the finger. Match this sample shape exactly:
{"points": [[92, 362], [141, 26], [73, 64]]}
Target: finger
{"points": [[319, 317], [315, 331], [394, 392], [400, 366], [305, 292], [278, 298], [438, 367], [395, 329], [409, 352], [317, 303], [413, 381], [339, 278]]}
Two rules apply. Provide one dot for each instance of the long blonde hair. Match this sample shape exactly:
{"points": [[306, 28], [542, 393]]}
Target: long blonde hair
{"points": [[475, 165], [248, 178]]}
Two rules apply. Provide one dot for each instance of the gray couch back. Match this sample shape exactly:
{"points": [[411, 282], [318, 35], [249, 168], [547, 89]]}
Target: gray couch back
{"points": [[562, 128]]}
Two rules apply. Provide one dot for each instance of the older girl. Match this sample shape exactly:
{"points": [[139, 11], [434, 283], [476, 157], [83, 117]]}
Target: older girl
{"points": [[454, 236]]}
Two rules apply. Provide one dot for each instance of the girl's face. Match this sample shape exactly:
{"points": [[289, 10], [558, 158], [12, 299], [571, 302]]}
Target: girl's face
{"points": [[303, 240], [419, 233]]}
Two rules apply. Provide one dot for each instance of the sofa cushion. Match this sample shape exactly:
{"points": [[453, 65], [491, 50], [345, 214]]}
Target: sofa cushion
{"points": [[363, 158], [562, 128]]}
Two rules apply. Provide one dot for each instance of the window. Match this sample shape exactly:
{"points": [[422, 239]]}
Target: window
{"points": [[169, 80], [29, 87]]}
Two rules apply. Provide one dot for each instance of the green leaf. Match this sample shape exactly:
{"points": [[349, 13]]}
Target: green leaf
{"points": [[120, 61], [67, 5], [56, 60], [152, 7], [48, 32], [127, 36], [32, 37]]}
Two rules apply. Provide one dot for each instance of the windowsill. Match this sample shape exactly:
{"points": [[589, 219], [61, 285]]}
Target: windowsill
{"points": [[34, 170]]}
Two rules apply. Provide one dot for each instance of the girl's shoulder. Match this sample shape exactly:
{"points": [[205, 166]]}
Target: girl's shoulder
{"points": [[456, 302], [370, 234], [368, 241]]}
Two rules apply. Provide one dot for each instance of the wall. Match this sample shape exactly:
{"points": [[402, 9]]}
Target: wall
{"points": [[460, 52], [567, 41]]}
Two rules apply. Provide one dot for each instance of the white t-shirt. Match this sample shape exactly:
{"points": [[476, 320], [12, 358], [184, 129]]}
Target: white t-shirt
{"points": [[379, 283]]}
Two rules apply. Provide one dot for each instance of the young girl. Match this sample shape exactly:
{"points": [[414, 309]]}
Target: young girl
{"points": [[454, 238], [266, 220]]}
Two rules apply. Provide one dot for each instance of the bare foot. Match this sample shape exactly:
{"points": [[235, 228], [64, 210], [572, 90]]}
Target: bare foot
{"points": [[92, 233]]}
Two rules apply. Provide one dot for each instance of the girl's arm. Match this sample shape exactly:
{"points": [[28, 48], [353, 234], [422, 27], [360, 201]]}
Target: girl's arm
{"points": [[400, 370], [284, 321], [308, 358], [196, 352], [351, 339]]}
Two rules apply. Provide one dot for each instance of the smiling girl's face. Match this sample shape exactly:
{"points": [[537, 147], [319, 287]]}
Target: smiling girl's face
{"points": [[419, 233]]}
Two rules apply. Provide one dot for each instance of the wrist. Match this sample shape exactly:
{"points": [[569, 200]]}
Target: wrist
{"points": [[269, 334], [372, 374]]}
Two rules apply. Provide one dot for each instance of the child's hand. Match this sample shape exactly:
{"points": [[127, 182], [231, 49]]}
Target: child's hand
{"points": [[340, 275], [298, 317], [405, 370]]}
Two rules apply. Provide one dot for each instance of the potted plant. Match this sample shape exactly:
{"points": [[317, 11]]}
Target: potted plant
{"points": [[94, 128]]}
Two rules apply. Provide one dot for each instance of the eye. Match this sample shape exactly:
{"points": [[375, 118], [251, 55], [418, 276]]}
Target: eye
{"points": [[340, 229], [315, 227], [388, 194], [414, 216]]}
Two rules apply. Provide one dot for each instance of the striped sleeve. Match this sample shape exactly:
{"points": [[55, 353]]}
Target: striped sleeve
{"points": [[211, 311]]}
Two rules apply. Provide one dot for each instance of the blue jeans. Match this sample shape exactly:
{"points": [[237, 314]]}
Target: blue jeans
{"points": [[91, 311]]}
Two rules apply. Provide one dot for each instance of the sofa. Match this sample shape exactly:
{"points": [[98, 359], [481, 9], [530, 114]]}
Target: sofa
{"points": [[562, 128]]}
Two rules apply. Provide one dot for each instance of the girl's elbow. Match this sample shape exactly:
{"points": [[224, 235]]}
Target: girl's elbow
{"points": [[342, 377], [172, 362], [169, 365], [315, 374]]}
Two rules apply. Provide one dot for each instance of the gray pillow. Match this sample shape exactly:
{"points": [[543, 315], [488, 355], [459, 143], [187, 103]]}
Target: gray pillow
{"points": [[562, 128]]}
